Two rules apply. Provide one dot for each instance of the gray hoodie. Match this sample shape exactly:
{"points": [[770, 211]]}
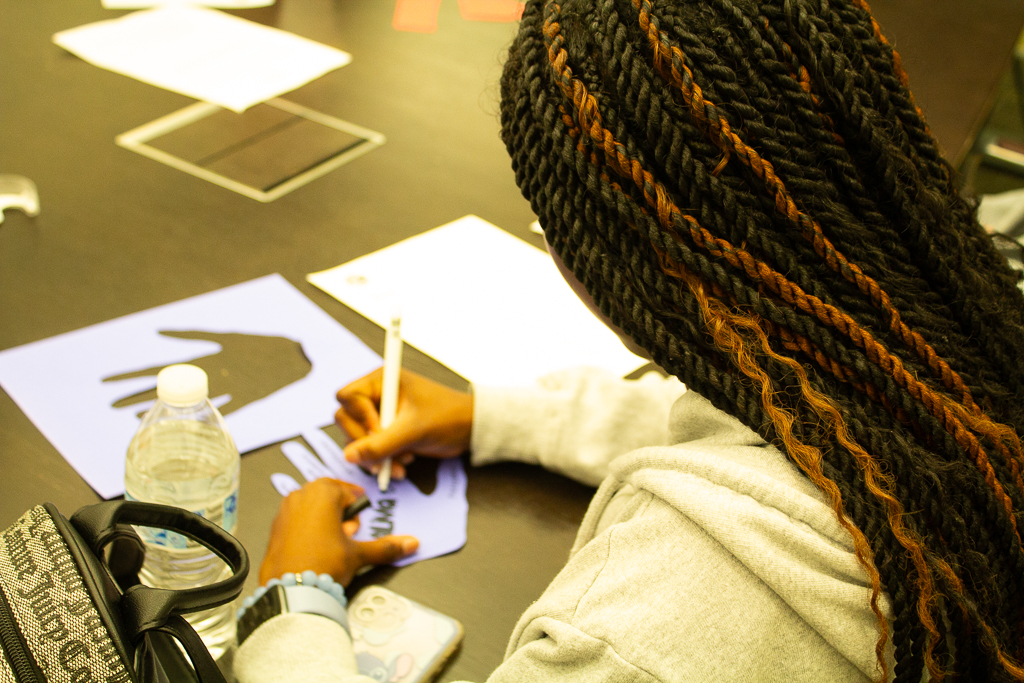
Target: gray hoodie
{"points": [[705, 554]]}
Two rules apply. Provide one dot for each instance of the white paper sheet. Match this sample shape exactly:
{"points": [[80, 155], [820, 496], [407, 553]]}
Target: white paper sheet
{"points": [[489, 306], [58, 382], [203, 53], [1002, 212], [222, 4]]}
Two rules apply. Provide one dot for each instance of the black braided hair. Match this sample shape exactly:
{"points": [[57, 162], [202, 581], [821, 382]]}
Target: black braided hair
{"points": [[749, 191]]}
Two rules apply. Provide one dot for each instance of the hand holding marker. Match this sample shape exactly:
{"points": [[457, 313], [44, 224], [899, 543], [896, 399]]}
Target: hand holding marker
{"points": [[437, 519], [389, 387], [362, 502]]}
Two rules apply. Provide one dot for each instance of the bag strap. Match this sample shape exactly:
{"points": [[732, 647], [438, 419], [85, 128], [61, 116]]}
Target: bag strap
{"points": [[205, 668], [143, 608]]}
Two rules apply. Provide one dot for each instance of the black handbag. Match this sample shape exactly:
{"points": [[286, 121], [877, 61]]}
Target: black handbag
{"points": [[72, 609]]}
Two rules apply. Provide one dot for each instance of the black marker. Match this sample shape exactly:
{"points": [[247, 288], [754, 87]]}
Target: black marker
{"points": [[355, 508]]}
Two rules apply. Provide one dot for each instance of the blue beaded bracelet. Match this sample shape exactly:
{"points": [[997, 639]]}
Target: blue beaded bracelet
{"points": [[307, 578]]}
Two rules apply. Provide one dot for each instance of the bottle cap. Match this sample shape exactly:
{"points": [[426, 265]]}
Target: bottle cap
{"points": [[182, 385]]}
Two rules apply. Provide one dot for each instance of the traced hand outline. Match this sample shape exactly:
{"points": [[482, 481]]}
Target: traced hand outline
{"points": [[437, 519], [246, 368]]}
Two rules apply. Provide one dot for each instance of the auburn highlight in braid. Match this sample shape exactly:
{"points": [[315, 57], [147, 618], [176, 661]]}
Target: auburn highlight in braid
{"points": [[749, 190]]}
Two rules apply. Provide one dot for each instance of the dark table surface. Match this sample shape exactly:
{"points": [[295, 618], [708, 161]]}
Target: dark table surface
{"points": [[120, 233]]}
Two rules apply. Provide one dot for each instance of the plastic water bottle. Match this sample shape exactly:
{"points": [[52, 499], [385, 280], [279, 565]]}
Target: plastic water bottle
{"points": [[182, 455]]}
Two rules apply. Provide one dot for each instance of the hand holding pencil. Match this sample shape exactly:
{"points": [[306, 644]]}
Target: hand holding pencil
{"points": [[430, 420]]}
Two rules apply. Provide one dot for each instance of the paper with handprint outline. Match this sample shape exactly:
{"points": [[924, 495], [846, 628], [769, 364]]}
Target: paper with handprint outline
{"points": [[58, 382], [437, 519], [245, 369]]}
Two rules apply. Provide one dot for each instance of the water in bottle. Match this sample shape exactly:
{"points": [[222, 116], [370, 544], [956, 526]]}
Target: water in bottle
{"points": [[182, 455]]}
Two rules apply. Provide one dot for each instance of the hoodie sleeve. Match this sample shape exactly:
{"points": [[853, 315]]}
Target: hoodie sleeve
{"points": [[298, 647], [573, 422]]}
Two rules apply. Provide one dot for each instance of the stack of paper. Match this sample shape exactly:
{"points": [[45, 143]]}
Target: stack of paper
{"points": [[222, 4], [203, 53]]}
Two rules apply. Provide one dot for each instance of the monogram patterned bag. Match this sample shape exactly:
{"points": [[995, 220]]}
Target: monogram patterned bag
{"points": [[71, 607]]}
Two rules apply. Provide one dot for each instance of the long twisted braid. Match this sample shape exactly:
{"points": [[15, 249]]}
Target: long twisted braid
{"points": [[749, 191]]}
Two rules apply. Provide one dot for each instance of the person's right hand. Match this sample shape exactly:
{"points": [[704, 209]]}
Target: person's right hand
{"points": [[432, 420]]}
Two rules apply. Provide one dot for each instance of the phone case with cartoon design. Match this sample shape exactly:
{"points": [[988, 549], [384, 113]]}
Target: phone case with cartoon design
{"points": [[397, 640]]}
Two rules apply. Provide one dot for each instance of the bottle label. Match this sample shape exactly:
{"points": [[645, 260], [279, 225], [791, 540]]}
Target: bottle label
{"points": [[230, 518], [174, 540]]}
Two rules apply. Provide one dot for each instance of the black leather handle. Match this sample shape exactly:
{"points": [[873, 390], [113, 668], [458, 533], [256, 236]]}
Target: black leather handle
{"points": [[144, 608], [205, 668], [174, 653]]}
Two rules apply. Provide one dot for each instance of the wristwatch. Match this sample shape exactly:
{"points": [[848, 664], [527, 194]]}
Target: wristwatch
{"points": [[290, 594]]}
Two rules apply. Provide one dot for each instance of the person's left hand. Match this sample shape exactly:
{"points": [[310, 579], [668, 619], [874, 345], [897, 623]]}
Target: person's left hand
{"points": [[308, 533]]}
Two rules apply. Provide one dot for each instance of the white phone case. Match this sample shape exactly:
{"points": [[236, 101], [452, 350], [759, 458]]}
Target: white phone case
{"points": [[397, 640]]}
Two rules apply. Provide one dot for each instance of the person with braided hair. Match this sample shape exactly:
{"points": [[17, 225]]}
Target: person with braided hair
{"points": [[746, 191]]}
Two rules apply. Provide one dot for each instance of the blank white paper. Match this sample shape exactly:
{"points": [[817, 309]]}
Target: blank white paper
{"points": [[203, 53], [487, 305], [221, 4]]}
